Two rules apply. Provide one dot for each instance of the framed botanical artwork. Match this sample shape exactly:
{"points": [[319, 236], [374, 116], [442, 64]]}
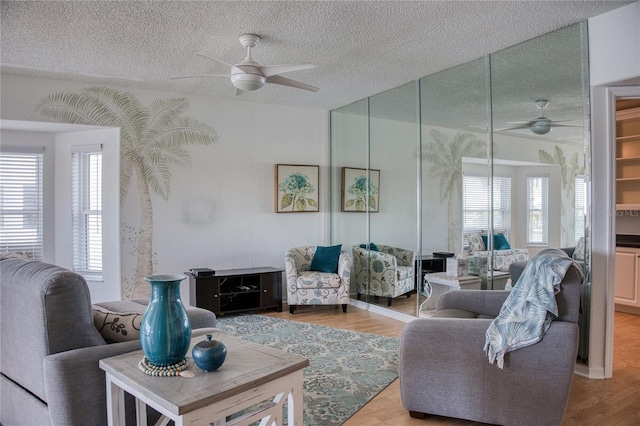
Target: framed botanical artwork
{"points": [[360, 190], [297, 188]]}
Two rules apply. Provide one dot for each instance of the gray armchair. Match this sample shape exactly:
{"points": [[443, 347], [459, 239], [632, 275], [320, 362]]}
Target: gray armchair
{"points": [[444, 370], [51, 349]]}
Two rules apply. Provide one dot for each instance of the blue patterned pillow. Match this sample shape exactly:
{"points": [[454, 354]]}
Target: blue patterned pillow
{"points": [[326, 259], [476, 242]]}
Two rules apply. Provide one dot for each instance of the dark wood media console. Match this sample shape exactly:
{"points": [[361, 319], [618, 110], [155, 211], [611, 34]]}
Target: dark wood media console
{"points": [[237, 290]]}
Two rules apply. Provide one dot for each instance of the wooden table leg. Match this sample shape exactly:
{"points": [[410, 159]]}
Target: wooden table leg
{"points": [[295, 412], [115, 404]]}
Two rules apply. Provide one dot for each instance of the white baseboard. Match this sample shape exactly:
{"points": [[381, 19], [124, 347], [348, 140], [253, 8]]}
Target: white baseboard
{"points": [[390, 313]]}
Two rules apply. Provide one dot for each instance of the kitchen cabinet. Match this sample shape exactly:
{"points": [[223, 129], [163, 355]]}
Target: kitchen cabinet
{"points": [[627, 291]]}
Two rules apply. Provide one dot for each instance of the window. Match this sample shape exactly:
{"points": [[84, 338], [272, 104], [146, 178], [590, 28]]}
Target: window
{"points": [[86, 187], [476, 208], [580, 205], [21, 200], [537, 209]]}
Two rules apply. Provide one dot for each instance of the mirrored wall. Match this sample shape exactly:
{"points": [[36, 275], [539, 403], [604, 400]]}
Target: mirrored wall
{"points": [[499, 145]]}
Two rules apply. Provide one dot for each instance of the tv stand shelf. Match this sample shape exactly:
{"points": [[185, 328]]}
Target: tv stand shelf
{"points": [[237, 290]]}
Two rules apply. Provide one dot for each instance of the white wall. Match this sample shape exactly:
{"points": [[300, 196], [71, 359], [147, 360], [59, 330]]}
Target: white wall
{"points": [[614, 45], [220, 213]]}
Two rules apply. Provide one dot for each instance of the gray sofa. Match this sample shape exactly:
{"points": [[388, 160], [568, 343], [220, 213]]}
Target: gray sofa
{"points": [[50, 348], [444, 370], [516, 268]]}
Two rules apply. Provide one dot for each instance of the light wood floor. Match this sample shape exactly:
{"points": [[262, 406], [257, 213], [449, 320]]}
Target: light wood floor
{"points": [[614, 401]]}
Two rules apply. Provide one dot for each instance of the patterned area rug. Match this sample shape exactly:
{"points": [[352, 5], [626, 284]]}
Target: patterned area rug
{"points": [[346, 368]]}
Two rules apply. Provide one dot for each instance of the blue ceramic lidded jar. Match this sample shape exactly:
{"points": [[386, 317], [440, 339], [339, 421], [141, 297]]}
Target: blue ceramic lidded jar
{"points": [[165, 331], [209, 354]]}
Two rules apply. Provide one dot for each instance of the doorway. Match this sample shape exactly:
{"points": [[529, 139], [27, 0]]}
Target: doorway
{"points": [[627, 227]]}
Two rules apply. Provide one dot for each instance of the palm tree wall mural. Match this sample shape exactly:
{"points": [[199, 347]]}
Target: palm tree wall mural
{"points": [[445, 158], [153, 138], [568, 172]]}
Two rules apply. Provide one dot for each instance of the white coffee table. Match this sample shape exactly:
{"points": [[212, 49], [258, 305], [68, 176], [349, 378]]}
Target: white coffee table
{"points": [[251, 374], [439, 283]]}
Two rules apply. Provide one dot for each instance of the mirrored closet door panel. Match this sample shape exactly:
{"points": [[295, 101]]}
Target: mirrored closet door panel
{"points": [[454, 144], [541, 145], [393, 142], [349, 152]]}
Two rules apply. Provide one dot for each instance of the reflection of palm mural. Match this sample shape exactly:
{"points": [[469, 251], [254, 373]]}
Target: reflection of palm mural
{"points": [[360, 188], [152, 138], [446, 165], [295, 188], [568, 172]]}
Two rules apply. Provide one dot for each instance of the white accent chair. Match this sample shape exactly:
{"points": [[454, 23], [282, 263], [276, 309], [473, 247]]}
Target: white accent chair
{"points": [[305, 287], [388, 272]]}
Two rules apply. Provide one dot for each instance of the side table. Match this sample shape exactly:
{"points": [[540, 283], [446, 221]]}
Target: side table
{"points": [[255, 381], [439, 283]]}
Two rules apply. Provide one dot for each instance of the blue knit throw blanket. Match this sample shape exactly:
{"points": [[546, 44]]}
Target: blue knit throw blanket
{"points": [[528, 311]]}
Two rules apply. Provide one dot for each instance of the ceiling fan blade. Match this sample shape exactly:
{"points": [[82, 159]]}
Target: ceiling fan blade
{"points": [[269, 70], [277, 79], [562, 125], [240, 92], [524, 126], [199, 75], [247, 69], [214, 59]]}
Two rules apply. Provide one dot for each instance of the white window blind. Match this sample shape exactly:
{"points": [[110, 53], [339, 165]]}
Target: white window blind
{"points": [[580, 205], [476, 207], [21, 200], [86, 187], [537, 210]]}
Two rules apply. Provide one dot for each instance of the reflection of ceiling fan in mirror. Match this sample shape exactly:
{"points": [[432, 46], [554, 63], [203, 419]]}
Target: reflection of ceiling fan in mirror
{"points": [[541, 125], [248, 75]]}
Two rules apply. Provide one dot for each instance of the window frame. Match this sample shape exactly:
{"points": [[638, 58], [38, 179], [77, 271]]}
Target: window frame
{"points": [[86, 211], [580, 206], [543, 208]]}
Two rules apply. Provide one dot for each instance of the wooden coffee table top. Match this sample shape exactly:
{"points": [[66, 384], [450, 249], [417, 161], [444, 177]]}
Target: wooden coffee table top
{"points": [[246, 366]]}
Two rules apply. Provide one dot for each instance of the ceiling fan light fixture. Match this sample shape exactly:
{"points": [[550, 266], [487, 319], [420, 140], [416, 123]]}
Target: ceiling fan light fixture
{"points": [[248, 82], [541, 129]]}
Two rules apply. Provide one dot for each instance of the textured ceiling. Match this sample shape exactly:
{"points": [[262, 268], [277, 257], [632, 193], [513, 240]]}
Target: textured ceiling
{"points": [[360, 47]]}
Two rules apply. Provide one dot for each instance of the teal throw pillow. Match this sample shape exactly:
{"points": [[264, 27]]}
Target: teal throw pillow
{"points": [[326, 259], [372, 247], [500, 242]]}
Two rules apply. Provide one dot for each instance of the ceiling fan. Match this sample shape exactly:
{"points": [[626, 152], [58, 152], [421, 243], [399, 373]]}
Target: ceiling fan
{"points": [[541, 125], [248, 75]]}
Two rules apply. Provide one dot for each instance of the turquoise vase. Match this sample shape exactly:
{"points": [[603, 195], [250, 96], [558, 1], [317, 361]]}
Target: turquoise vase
{"points": [[165, 331]]}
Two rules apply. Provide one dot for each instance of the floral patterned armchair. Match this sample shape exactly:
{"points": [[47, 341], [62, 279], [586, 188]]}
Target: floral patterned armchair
{"points": [[305, 287], [387, 273]]}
